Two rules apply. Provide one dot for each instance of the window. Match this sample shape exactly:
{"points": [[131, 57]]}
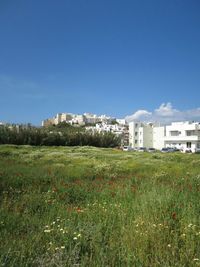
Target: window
{"points": [[174, 133], [135, 141], [189, 133], [136, 133]]}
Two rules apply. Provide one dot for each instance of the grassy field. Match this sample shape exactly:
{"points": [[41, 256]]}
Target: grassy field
{"points": [[85, 206]]}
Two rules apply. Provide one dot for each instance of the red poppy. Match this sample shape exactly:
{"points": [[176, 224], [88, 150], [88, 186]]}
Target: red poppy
{"points": [[174, 215]]}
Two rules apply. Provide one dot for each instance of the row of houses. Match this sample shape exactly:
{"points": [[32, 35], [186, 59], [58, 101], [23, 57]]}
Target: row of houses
{"points": [[181, 135], [80, 119], [119, 128]]}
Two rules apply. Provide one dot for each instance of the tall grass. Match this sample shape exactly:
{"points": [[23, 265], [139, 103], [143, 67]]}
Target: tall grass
{"points": [[88, 206]]}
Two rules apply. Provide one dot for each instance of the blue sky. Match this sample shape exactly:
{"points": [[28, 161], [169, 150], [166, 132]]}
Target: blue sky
{"points": [[108, 56]]}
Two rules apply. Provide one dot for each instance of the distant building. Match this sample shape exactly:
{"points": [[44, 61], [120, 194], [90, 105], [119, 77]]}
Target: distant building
{"points": [[86, 118], [121, 121]]}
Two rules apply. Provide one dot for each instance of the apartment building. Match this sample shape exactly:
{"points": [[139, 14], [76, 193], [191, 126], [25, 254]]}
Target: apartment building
{"points": [[181, 135], [140, 134]]}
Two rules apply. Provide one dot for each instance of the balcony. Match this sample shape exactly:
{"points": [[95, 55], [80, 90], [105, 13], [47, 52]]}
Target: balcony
{"points": [[182, 138]]}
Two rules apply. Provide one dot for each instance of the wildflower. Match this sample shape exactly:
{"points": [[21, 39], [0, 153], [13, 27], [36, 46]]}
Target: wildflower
{"points": [[195, 259], [62, 247], [75, 238], [47, 231], [174, 215], [169, 245], [79, 235], [79, 210]]}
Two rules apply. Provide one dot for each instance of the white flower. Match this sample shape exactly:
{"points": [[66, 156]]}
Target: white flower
{"points": [[47, 231], [62, 247], [75, 238]]}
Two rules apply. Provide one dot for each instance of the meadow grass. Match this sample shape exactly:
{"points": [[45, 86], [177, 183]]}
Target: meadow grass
{"points": [[86, 206]]}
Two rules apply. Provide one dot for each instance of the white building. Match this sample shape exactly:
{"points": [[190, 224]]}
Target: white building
{"points": [[140, 134], [121, 121], [77, 119], [183, 135], [158, 137]]}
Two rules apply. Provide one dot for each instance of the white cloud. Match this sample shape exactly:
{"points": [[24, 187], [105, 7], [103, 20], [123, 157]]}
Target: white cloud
{"points": [[165, 110], [165, 114], [138, 115]]}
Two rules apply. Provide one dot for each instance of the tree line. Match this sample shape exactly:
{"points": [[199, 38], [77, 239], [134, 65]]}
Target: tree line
{"points": [[61, 135]]}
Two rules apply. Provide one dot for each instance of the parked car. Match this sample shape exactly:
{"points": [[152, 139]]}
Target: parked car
{"points": [[165, 150], [151, 150], [175, 149], [142, 149], [127, 148], [172, 149]]}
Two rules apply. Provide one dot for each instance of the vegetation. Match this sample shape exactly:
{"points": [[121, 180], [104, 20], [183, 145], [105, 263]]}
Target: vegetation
{"points": [[61, 135], [86, 206]]}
